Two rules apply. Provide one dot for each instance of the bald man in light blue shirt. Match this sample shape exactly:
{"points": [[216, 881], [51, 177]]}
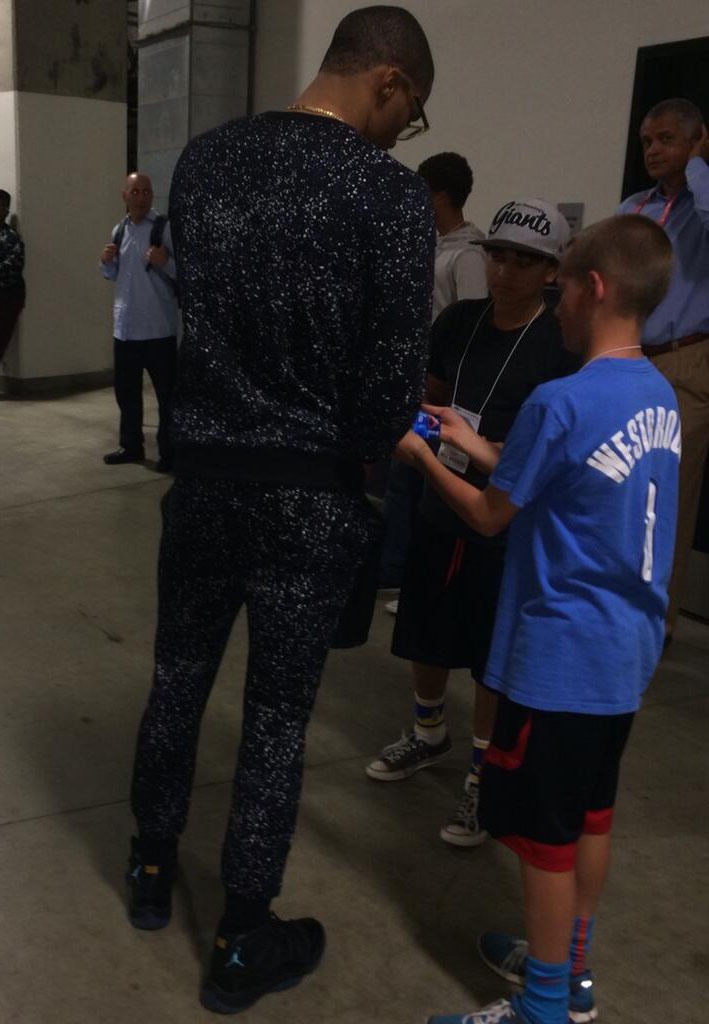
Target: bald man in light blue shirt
{"points": [[144, 321]]}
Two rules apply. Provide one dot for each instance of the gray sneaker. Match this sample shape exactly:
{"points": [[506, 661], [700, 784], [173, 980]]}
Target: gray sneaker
{"points": [[464, 828], [406, 756]]}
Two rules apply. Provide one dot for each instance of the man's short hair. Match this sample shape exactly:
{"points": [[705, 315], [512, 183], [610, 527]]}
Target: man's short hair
{"points": [[687, 112], [4, 197], [630, 252], [377, 35], [450, 173]]}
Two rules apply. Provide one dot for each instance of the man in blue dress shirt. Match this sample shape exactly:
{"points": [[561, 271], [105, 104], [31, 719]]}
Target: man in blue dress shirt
{"points": [[676, 335], [144, 320]]}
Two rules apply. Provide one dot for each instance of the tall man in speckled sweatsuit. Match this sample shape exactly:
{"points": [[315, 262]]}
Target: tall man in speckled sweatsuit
{"points": [[305, 257]]}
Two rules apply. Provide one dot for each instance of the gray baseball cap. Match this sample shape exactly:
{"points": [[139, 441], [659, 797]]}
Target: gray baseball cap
{"points": [[530, 225]]}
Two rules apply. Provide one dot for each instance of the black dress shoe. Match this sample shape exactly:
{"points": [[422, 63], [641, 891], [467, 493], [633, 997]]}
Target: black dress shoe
{"points": [[123, 455], [163, 465]]}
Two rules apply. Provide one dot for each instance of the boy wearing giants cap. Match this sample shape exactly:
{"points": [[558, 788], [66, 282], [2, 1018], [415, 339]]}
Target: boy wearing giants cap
{"points": [[588, 480], [487, 356]]}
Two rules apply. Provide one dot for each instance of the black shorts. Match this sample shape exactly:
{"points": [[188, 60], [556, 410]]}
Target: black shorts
{"points": [[448, 600], [548, 778]]}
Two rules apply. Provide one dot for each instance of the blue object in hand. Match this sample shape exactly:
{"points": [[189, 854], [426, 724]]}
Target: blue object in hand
{"points": [[427, 427]]}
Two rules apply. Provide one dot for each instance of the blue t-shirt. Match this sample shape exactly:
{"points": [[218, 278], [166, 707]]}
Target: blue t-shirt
{"points": [[592, 464]]}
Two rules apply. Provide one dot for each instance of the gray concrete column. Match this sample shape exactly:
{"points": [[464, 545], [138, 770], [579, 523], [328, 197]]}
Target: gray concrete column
{"points": [[62, 156], [194, 68]]}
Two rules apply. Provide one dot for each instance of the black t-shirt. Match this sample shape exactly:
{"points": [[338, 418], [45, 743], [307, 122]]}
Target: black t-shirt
{"points": [[539, 356]]}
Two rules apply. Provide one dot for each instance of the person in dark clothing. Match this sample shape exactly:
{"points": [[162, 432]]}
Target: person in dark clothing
{"points": [[487, 356], [12, 285], [459, 274], [305, 261]]}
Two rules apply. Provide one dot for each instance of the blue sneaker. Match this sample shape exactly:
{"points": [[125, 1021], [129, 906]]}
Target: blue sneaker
{"points": [[504, 954], [504, 1011], [582, 1008], [507, 956]]}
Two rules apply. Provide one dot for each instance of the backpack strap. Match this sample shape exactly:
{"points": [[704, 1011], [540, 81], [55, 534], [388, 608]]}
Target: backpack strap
{"points": [[156, 231], [118, 234]]}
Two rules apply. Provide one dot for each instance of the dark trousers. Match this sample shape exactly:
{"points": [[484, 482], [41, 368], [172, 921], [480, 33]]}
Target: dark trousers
{"points": [[159, 357], [290, 555]]}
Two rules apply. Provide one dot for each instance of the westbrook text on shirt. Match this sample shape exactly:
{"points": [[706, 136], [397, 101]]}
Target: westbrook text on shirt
{"points": [[648, 429], [592, 464]]}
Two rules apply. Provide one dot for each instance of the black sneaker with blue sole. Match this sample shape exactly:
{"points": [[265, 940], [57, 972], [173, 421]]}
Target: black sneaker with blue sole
{"points": [[271, 958]]}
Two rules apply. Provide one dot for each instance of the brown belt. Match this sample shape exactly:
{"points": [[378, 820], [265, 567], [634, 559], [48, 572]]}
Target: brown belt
{"points": [[672, 346]]}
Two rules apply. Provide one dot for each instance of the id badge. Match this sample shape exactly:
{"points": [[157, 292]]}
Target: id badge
{"points": [[452, 457]]}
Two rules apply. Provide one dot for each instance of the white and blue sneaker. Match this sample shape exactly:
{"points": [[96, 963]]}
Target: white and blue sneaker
{"points": [[504, 954], [504, 1011], [507, 956], [582, 1008]]}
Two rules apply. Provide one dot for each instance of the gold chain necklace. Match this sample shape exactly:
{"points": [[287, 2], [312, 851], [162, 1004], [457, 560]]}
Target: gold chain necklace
{"points": [[316, 110]]}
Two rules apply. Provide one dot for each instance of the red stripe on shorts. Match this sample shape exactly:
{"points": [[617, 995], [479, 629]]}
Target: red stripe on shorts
{"points": [[510, 759], [456, 562], [598, 823], [547, 856]]}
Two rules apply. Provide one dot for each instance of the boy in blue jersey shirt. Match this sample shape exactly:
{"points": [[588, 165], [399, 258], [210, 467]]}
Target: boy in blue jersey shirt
{"points": [[588, 480]]}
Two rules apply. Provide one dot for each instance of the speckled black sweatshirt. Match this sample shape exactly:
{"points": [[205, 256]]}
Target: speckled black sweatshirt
{"points": [[305, 260]]}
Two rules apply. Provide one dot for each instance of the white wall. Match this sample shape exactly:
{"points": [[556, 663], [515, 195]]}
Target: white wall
{"points": [[70, 160], [8, 145], [536, 95]]}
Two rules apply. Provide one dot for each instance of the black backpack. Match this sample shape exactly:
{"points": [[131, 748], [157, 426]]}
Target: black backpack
{"points": [[156, 233]]}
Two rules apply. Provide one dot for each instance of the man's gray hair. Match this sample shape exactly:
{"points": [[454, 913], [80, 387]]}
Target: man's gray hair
{"points": [[687, 112]]}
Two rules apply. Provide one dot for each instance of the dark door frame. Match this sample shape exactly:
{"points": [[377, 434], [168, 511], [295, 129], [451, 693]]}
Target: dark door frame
{"points": [[644, 96]]}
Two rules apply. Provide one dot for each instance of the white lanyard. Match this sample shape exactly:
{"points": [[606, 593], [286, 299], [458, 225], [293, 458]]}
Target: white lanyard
{"points": [[504, 365], [602, 355], [447, 453]]}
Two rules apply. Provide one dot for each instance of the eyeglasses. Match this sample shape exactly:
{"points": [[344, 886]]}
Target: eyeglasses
{"points": [[413, 129], [517, 259], [141, 192]]}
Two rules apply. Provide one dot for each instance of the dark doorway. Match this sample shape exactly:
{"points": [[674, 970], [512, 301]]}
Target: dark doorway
{"points": [[662, 72]]}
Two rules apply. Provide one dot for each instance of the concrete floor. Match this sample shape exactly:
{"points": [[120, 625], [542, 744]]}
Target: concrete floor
{"points": [[77, 559]]}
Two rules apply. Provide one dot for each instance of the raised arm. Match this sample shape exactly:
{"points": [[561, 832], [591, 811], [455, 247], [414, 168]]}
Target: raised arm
{"points": [[697, 173]]}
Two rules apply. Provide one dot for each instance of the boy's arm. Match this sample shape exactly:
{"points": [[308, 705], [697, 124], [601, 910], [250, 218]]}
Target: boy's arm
{"points": [[488, 511], [535, 454], [482, 453]]}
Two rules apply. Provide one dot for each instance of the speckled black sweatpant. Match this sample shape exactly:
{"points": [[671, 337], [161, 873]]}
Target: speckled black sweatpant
{"points": [[290, 555]]}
